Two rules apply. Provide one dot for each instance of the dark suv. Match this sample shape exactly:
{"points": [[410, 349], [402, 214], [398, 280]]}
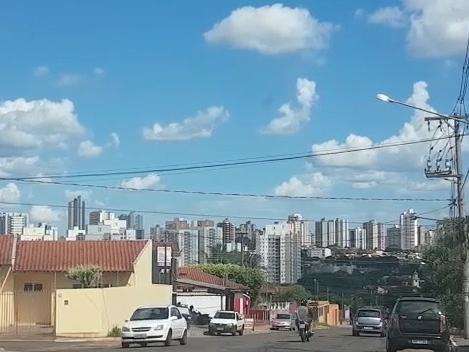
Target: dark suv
{"points": [[417, 323]]}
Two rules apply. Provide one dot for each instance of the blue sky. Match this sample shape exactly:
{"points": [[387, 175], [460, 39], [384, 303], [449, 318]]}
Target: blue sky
{"points": [[126, 68]]}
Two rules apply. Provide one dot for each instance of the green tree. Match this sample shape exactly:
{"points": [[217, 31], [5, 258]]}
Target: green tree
{"points": [[87, 275], [443, 272], [293, 293], [250, 277]]}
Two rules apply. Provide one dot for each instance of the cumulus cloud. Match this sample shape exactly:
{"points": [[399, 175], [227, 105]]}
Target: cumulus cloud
{"points": [[435, 28], [202, 125], [41, 71], [87, 149], [147, 181], [274, 29], [44, 214], [291, 119], [391, 16], [302, 186], [18, 165], [37, 123], [115, 140], [10, 193], [404, 157]]}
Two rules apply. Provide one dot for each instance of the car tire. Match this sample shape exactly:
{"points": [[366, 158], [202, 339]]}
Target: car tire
{"points": [[383, 334], [169, 338], [241, 332], [390, 347], [125, 345], [354, 333], [183, 340]]}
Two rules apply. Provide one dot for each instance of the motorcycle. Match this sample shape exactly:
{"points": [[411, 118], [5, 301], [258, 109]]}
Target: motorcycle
{"points": [[304, 331]]}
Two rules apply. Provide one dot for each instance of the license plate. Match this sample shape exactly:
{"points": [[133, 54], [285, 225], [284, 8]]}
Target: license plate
{"points": [[368, 328], [140, 336], [302, 326], [220, 329], [420, 342]]}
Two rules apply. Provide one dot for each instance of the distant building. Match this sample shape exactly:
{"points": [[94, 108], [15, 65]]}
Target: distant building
{"points": [[325, 233], [301, 228], [342, 238], [408, 224], [228, 230], [76, 213], [425, 236], [280, 251], [357, 238], [372, 235], [41, 232], [76, 234], [13, 223], [134, 222], [382, 237], [209, 236], [316, 252], [394, 237]]}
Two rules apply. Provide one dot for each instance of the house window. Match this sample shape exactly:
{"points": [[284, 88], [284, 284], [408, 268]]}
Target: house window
{"points": [[32, 287]]}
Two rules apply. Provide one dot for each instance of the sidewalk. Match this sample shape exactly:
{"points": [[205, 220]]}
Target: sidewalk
{"points": [[460, 344]]}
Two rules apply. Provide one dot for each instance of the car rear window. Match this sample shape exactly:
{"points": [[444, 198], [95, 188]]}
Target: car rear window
{"points": [[150, 314], [369, 313], [417, 307], [283, 316], [224, 315]]}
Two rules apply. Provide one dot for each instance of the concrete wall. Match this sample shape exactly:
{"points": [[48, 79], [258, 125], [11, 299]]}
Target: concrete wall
{"points": [[94, 312], [205, 303]]}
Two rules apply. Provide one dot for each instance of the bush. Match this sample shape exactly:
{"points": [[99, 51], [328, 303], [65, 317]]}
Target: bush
{"points": [[114, 332]]}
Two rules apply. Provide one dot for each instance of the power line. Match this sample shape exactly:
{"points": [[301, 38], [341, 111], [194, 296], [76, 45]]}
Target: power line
{"points": [[229, 194], [237, 163]]}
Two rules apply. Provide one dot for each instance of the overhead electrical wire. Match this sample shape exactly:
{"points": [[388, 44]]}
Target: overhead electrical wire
{"points": [[235, 163]]}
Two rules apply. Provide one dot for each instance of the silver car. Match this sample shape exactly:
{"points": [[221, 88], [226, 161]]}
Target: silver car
{"points": [[369, 321], [282, 321]]}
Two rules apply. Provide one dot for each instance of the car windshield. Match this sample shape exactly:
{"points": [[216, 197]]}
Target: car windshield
{"points": [[150, 314], [224, 315], [417, 307], [283, 316], [369, 313]]}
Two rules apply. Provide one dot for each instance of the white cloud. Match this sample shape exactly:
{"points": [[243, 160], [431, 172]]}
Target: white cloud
{"points": [[201, 125], [302, 186], [18, 165], [44, 214], [391, 16], [115, 140], [41, 71], [69, 79], [291, 119], [10, 193], [435, 28], [99, 72], [274, 29], [403, 157], [37, 123], [147, 181], [87, 149]]}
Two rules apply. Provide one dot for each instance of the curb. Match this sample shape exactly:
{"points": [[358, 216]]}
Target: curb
{"points": [[87, 339]]}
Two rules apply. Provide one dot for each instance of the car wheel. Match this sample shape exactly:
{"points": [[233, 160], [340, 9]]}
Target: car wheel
{"points": [[390, 347], [169, 338], [444, 349], [241, 332], [354, 333], [183, 341], [383, 334], [125, 345]]}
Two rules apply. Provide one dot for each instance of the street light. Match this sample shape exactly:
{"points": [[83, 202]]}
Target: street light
{"points": [[384, 98]]}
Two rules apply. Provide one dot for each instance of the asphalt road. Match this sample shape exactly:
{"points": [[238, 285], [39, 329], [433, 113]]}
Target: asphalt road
{"points": [[331, 340]]}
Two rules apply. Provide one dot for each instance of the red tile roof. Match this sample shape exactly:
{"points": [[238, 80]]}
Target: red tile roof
{"points": [[6, 246], [193, 274], [59, 256]]}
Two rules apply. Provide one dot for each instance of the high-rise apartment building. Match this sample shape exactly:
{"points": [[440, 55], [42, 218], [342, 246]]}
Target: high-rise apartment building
{"points": [[134, 222], [372, 234], [394, 237], [382, 237], [357, 238], [341, 233], [229, 231], [13, 223], [76, 213], [301, 228], [408, 224], [280, 251]]}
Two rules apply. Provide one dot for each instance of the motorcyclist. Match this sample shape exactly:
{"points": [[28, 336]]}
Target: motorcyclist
{"points": [[304, 314]]}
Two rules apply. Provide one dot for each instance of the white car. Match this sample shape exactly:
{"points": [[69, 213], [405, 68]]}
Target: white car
{"points": [[226, 322], [154, 324]]}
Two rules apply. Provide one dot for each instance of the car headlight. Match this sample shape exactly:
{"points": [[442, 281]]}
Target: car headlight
{"points": [[125, 329], [158, 327]]}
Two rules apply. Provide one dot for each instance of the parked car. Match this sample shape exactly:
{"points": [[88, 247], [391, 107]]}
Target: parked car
{"points": [[282, 321], [226, 322], [369, 321], [154, 324], [417, 323], [186, 314]]}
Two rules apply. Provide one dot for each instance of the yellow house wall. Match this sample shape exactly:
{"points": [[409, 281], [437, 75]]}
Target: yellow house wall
{"points": [[94, 312], [7, 301]]}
